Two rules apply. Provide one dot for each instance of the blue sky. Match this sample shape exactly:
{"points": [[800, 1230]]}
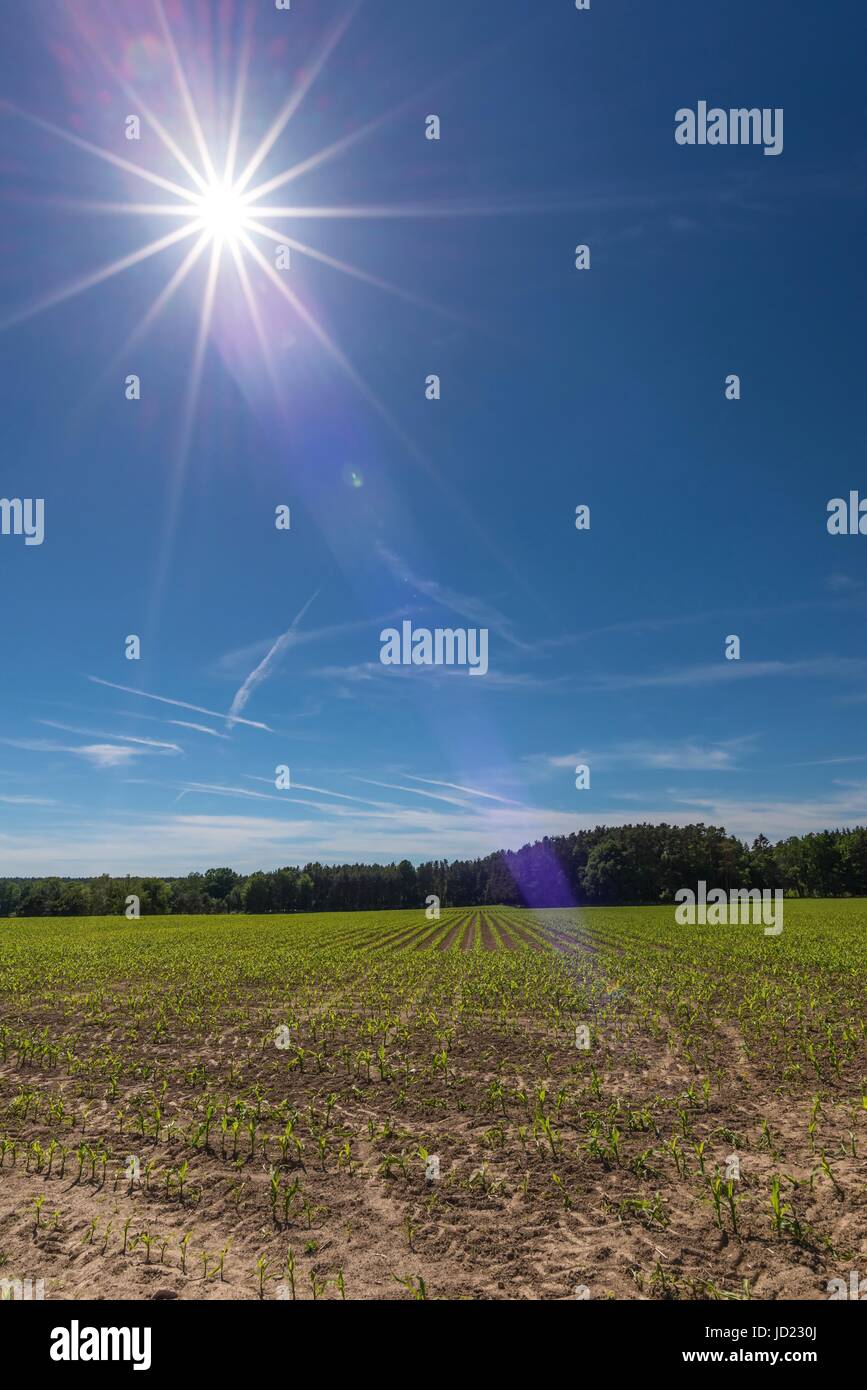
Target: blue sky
{"points": [[559, 387]]}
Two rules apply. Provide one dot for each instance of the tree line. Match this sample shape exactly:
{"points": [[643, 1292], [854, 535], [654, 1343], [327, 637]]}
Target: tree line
{"points": [[623, 865]]}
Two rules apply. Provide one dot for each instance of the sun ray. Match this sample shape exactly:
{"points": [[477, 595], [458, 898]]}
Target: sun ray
{"points": [[237, 111], [407, 210], [304, 314], [256, 318], [251, 225], [285, 115], [314, 161], [121, 357], [188, 420], [189, 210], [338, 147], [408, 443], [174, 149], [186, 95], [166, 293], [170, 187], [199, 354], [150, 116], [98, 276], [339, 356], [334, 210]]}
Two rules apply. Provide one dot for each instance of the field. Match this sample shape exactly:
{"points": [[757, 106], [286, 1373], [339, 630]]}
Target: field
{"points": [[498, 1104]]}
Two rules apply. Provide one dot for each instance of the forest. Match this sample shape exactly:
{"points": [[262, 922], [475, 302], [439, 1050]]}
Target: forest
{"points": [[606, 866]]}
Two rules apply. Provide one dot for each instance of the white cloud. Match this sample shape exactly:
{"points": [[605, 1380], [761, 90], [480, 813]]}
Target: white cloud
{"points": [[106, 754], [99, 754], [777, 817], [178, 843], [685, 755]]}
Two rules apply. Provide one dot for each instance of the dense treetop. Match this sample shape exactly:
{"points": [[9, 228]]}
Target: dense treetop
{"points": [[604, 866]]}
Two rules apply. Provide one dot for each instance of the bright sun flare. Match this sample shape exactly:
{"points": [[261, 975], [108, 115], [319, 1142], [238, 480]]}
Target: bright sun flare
{"points": [[228, 214], [222, 211]]}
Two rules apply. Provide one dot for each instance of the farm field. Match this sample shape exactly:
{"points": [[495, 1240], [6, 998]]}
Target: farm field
{"points": [[499, 1104]]}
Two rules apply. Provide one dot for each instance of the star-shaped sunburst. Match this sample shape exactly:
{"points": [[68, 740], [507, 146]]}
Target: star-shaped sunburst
{"points": [[225, 213], [232, 223]]}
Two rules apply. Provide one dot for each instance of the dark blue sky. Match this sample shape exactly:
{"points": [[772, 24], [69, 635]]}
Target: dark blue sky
{"points": [[559, 387]]}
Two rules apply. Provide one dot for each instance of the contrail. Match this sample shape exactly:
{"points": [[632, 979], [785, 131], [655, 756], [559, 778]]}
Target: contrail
{"points": [[263, 670], [181, 704]]}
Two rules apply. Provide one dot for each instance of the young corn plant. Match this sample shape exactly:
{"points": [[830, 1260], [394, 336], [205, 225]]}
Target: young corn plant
{"points": [[723, 1193], [558, 1183], [826, 1169], [783, 1218], [416, 1286], [38, 1204], [290, 1272]]}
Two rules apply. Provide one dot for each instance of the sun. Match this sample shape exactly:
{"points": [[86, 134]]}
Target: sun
{"points": [[225, 214], [222, 211]]}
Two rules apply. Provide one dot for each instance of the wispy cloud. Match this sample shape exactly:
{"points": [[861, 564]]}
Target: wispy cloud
{"points": [[180, 704], [241, 657], [475, 610], [106, 754], [828, 667], [177, 843], [843, 584], [323, 791], [198, 728], [830, 762], [289, 798], [261, 672], [123, 738], [215, 789], [99, 754], [778, 817], [684, 755], [684, 677], [413, 791], [470, 791], [492, 680], [27, 801]]}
